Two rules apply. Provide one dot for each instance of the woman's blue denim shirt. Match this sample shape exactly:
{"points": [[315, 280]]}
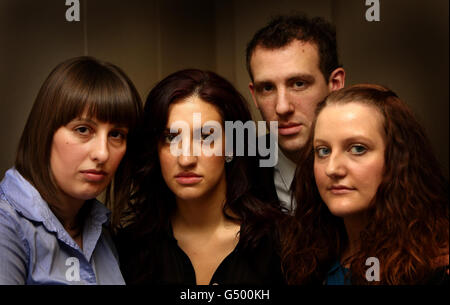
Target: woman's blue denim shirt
{"points": [[36, 249], [336, 275]]}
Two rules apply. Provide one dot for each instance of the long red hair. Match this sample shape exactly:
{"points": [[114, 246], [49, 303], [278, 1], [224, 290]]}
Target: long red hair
{"points": [[409, 215]]}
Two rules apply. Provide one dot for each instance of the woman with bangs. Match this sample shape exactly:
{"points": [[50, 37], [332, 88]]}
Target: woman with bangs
{"points": [[197, 218], [52, 228], [373, 203]]}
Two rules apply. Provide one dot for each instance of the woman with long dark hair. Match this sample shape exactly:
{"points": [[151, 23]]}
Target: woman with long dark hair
{"points": [[195, 218], [372, 202]]}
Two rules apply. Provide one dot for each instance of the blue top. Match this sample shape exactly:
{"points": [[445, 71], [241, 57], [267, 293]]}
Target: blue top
{"points": [[336, 275], [36, 249]]}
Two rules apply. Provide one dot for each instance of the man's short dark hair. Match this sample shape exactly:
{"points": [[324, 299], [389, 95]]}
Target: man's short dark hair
{"points": [[282, 30]]}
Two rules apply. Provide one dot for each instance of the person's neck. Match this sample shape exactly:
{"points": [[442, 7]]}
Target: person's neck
{"points": [[67, 211], [201, 214], [354, 225]]}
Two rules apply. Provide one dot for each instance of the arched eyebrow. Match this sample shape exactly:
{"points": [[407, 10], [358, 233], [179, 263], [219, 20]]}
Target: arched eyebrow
{"points": [[354, 139], [320, 141], [359, 139], [210, 126]]}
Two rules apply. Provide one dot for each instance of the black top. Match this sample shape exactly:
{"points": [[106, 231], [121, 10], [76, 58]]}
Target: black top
{"points": [[441, 276], [263, 179], [161, 261]]}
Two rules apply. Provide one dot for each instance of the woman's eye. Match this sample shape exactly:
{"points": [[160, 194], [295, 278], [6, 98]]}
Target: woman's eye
{"points": [[118, 135], [168, 138], [82, 130], [205, 136], [322, 152], [358, 149]]}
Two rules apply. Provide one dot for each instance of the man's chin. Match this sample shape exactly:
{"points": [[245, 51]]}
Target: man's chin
{"points": [[292, 148], [291, 145]]}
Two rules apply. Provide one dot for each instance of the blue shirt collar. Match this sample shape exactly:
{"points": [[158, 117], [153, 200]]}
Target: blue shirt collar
{"points": [[337, 275], [27, 201], [337, 265]]}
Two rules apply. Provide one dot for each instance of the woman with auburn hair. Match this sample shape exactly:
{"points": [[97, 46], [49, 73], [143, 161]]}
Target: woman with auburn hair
{"points": [[52, 229], [372, 201], [194, 218]]}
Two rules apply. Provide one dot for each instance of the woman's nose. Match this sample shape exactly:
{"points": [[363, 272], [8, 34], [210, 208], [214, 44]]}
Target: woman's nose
{"points": [[336, 165], [99, 149]]}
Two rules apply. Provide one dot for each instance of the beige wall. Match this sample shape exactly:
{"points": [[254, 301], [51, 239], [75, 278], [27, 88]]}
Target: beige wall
{"points": [[34, 37], [407, 50]]}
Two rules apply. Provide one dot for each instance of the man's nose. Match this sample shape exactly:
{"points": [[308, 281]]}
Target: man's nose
{"points": [[284, 103]]}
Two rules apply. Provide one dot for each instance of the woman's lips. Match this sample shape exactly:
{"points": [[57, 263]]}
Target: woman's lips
{"points": [[94, 175], [188, 178], [340, 190], [289, 129]]}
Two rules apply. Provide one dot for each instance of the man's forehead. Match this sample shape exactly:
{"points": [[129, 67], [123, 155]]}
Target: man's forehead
{"points": [[296, 58], [293, 43]]}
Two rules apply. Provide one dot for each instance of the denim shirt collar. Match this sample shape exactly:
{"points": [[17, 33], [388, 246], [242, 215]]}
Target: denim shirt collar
{"points": [[27, 201], [337, 275], [336, 265]]}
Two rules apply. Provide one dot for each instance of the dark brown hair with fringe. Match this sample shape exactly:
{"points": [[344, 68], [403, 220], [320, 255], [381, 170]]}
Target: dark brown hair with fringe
{"points": [[76, 85]]}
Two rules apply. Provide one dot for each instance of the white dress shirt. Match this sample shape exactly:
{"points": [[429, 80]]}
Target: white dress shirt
{"points": [[283, 176]]}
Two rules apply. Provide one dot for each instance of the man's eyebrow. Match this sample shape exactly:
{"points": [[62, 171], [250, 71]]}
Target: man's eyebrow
{"points": [[290, 78], [306, 77], [262, 83]]}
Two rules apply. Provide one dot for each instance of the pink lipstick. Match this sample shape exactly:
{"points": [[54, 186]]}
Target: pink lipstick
{"points": [[188, 178]]}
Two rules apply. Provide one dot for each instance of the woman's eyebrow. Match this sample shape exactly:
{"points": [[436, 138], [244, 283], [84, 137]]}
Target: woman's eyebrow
{"points": [[346, 141], [358, 138], [87, 120], [167, 130], [319, 141], [120, 126], [93, 122], [208, 127]]}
